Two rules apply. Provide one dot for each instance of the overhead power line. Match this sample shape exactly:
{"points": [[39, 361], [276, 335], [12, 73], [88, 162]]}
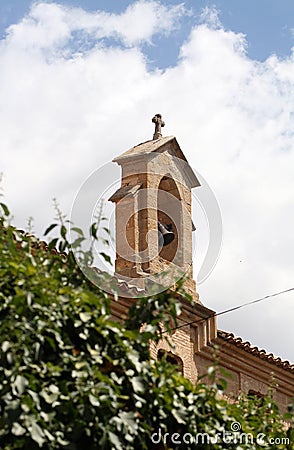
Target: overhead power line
{"points": [[235, 308]]}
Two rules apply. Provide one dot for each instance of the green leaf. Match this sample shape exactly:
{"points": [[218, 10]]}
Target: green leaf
{"points": [[50, 228], [221, 384], [49, 397], [63, 231], [115, 440], [20, 383], [138, 384], [106, 257], [37, 434], [77, 230], [62, 246], [93, 230], [85, 316], [52, 244], [5, 209], [211, 371], [179, 415], [178, 307], [93, 400], [17, 429], [5, 346], [77, 242]]}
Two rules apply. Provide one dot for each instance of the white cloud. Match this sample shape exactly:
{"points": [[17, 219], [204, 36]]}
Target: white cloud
{"points": [[63, 116], [210, 16], [49, 24]]}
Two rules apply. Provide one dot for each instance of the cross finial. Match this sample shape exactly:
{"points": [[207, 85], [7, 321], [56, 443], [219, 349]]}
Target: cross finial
{"points": [[157, 119]]}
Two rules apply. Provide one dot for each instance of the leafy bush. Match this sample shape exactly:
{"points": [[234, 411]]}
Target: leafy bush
{"points": [[72, 378]]}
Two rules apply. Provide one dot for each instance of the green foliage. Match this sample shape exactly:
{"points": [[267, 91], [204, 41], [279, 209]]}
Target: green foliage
{"points": [[72, 378]]}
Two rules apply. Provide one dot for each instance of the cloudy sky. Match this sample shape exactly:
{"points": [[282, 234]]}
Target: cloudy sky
{"points": [[80, 82]]}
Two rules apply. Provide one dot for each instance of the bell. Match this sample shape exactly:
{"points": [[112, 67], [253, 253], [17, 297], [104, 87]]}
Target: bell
{"points": [[165, 234]]}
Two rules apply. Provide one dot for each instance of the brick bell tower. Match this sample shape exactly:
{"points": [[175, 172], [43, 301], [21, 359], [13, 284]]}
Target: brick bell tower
{"points": [[153, 212], [154, 240]]}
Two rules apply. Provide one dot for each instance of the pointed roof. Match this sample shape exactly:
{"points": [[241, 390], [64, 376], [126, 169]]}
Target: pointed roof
{"points": [[159, 146], [150, 147]]}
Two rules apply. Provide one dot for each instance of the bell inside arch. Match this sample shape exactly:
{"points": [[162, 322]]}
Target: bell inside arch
{"points": [[165, 234]]}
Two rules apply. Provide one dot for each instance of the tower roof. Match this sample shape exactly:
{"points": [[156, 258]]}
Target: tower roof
{"points": [[164, 144]]}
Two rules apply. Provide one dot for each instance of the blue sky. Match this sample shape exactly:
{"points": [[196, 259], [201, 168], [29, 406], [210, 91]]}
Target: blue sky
{"points": [[78, 87], [267, 24]]}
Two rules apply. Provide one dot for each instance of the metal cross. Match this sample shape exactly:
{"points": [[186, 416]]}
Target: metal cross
{"points": [[157, 119]]}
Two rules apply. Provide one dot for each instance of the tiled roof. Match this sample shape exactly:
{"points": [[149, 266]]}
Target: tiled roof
{"points": [[259, 353], [121, 286]]}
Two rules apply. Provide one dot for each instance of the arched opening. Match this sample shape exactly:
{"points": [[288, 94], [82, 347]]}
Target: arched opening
{"points": [[171, 359], [169, 213]]}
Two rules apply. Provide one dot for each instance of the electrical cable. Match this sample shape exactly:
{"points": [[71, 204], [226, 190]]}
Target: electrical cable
{"points": [[226, 311]]}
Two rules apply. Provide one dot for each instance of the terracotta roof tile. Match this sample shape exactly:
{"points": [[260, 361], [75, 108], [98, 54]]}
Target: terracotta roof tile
{"points": [[260, 353]]}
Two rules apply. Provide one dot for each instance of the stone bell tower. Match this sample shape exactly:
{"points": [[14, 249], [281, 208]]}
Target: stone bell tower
{"points": [[153, 212]]}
